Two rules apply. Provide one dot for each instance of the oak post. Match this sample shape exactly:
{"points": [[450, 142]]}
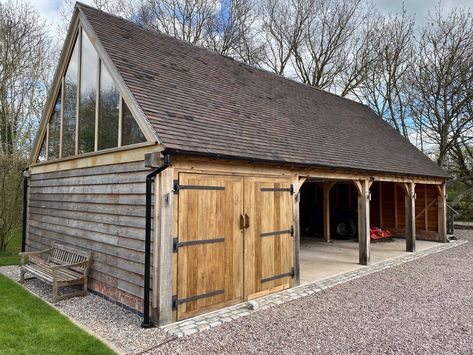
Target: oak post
{"points": [[364, 221], [442, 214], [156, 236], [410, 216], [164, 265], [297, 237]]}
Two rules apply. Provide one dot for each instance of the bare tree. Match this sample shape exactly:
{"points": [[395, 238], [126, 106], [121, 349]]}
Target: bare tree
{"points": [[362, 56], [24, 65], [284, 25], [443, 80], [11, 167], [231, 32], [386, 86], [183, 19], [128, 9], [327, 50]]}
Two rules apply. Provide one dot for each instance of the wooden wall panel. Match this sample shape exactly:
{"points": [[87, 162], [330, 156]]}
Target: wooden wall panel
{"points": [[426, 208], [400, 222], [96, 208], [387, 198], [382, 205], [375, 205]]}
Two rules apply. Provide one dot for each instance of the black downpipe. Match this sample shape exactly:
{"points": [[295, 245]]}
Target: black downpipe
{"points": [[25, 209], [147, 323]]}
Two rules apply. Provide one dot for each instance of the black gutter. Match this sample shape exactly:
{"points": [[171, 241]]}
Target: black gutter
{"points": [[25, 209], [147, 323]]}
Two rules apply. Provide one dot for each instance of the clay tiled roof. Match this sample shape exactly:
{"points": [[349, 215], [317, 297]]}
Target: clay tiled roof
{"points": [[205, 103]]}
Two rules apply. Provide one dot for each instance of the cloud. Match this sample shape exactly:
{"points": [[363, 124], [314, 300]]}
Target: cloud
{"points": [[419, 8]]}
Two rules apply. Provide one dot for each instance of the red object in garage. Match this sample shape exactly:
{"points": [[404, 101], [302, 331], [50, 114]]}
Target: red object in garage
{"points": [[377, 233]]}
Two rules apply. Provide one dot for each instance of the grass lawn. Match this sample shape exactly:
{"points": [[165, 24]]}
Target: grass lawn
{"points": [[30, 326], [10, 256]]}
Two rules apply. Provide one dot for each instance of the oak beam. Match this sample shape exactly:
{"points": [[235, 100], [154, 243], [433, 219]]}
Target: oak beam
{"points": [[442, 214], [410, 216], [364, 221]]}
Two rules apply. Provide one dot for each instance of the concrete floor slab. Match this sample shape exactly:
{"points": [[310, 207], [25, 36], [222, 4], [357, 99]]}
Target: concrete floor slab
{"points": [[319, 260]]}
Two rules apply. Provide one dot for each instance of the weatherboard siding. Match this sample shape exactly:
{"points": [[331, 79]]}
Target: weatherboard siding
{"points": [[101, 209]]}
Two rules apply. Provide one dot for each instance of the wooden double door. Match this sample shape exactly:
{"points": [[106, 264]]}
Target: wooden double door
{"points": [[235, 240]]}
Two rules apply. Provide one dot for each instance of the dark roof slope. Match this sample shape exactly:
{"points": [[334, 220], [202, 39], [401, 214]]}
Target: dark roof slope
{"points": [[202, 102]]}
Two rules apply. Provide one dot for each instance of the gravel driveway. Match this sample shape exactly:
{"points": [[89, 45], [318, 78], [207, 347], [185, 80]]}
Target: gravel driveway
{"points": [[424, 306]]}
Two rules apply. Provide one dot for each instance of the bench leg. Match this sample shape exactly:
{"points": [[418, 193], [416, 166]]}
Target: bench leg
{"points": [[22, 276], [55, 291]]}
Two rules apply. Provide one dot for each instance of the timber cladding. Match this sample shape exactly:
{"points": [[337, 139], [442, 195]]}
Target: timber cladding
{"points": [[101, 209], [388, 209]]}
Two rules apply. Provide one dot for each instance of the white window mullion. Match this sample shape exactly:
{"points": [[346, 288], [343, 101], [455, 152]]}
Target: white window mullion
{"points": [[97, 106], [61, 125], [120, 120], [47, 141], [79, 38]]}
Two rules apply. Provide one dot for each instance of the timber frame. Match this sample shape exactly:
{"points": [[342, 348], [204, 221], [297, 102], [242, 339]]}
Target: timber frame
{"points": [[165, 261], [164, 281]]}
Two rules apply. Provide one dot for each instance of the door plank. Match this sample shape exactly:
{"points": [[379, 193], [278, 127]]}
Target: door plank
{"points": [[268, 203], [209, 274]]}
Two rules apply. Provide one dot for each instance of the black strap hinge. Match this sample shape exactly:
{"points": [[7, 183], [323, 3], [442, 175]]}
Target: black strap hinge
{"points": [[291, 274], [176, 186], [175, 245], [292, 231], [176, 301], [289, 189]]}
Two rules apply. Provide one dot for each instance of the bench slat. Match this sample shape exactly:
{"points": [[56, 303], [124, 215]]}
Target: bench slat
{"points": [[46, 272]]}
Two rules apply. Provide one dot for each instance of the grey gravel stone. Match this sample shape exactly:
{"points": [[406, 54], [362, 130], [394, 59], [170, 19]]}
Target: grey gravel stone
{"points": [[422, 307]]}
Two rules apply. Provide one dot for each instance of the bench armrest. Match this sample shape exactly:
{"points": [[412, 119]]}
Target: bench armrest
{"points": [[32, 253], [67, 266]]}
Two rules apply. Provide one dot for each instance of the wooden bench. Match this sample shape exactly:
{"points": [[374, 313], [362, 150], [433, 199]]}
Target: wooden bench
{"points": [[58, 266]]}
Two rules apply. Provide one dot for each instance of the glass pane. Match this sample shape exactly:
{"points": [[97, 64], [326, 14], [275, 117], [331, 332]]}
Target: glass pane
{"points": [[88, 90], [70, 103], [42, 152], [131, 132], [108, 110], [54, 130]]}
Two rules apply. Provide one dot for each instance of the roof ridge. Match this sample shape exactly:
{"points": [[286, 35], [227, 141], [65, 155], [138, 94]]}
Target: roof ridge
{"points": [[212, 52]]}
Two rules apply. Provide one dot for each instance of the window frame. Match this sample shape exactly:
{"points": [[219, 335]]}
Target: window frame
{"points": [[77, 38]]}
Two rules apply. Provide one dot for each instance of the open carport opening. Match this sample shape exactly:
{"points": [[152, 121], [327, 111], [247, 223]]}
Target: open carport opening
{"points": [[328, 213]]}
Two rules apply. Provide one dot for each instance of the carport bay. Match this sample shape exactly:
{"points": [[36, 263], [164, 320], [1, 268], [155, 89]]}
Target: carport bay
{"points": [[329, 223]]}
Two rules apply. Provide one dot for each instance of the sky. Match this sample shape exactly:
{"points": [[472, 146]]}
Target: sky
{"points": [[420, 8], [50, 8]]}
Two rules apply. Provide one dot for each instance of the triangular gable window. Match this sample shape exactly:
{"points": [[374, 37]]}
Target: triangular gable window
{"points": [[89, 114]]}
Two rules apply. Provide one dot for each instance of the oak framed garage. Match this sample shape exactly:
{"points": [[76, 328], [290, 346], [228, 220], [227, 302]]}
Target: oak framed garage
{"points": [[183, 171]]}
